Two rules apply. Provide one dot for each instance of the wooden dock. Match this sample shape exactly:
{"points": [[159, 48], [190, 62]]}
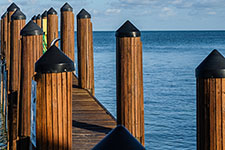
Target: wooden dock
{"points": [[91, 121]]}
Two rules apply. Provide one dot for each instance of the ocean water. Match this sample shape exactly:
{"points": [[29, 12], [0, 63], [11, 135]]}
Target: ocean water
{"points": [[169, 62]]}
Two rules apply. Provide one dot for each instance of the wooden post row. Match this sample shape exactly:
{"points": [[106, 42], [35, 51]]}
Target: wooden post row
{"points": [[31, 52], [67, 30], [52, 26], [210, 76], [85, 51], [54, 100], [44, 28], [38, 20], [129, 74], [18, 20]]}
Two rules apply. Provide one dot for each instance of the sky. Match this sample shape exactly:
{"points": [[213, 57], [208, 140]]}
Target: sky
{"points": [[109, 15]]}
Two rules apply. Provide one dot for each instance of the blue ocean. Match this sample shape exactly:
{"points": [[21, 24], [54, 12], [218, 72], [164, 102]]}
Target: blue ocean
{"points": [[169, 62]]}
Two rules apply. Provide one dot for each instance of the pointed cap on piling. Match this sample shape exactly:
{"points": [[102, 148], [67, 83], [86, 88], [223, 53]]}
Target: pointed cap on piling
{"points": [[54, 61], [38, 16], [83, 14], [4, 15], [119, 139], [66, 7], [213, 66], [34, 17], [12, 7], [44, 14], [18, 15], [52, 11], [128, 30], [31, 28]]}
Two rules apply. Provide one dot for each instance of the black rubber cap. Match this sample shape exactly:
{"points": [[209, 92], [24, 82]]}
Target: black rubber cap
{"points": [[128, 30], [213, 66], [119, 139], [38, 16], [83, 14], [44, 14], [52, 11], [34, 17], [54, 61], [4, 15], [12, 7], [66, 7], [31, 28], [18, 15]]}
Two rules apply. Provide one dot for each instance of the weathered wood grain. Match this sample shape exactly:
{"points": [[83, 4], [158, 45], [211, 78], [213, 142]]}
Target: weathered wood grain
{"points": [[130, 103], [91, 121], [85, 54]]}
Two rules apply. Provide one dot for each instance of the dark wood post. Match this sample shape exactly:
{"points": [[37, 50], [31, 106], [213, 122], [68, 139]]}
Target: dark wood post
{"points": [[11, 131], [18, 20], [4, 34], [54, 100], [34, 18], [52, 26], [11, 9], [210, 76], [67, 30], [119, 139], [44, 28], [38, 20], [129, 74], [85, 51], [31, 52]]}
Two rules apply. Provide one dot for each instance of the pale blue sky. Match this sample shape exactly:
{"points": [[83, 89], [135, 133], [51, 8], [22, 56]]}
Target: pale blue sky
{"points": [[145, 14]]}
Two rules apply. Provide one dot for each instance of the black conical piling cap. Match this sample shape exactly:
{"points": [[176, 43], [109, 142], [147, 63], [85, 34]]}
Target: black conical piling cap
{"points": [[4, 15], [38, 16], [31, 28], [52, 11], [18, 15], [119, 139], [34, 17], [12, 7], [128, 30], [54, 61], [44, 14], [213, 66], [83, 14], [66, 7]]}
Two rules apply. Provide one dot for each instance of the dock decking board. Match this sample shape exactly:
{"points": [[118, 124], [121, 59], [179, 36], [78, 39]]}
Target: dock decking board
{"points": [[91, 121]]}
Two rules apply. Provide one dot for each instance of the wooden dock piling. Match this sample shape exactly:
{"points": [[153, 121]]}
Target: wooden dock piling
{"points": [[18, 20], [11, 9], [4, 22], [67, 30], [52, 26], [85, 51], [38, 20], [129, 74], [31, 51], [210, 76], [54, 100]]}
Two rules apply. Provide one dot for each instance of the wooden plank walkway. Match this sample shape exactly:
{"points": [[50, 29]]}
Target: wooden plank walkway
{"points": [[91, 121]]}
